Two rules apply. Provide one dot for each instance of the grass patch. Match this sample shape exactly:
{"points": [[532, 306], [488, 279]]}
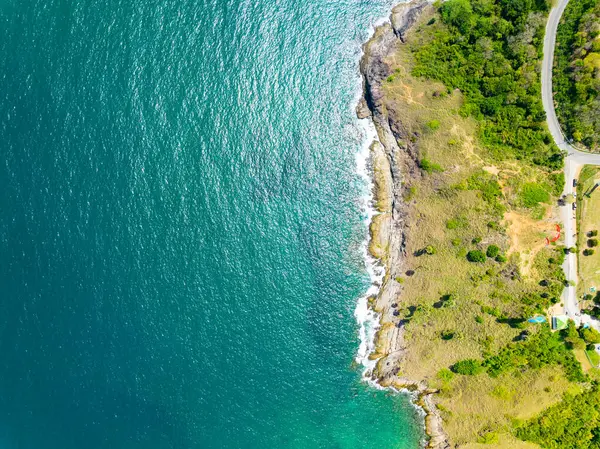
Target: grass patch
{"points": [[533, 194], [593, 357]]}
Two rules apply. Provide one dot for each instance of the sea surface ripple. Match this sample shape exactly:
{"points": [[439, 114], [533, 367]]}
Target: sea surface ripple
{"points": [[182, 225]]}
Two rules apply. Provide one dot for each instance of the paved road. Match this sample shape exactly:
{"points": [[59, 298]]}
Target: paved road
{"points": [[573, 162]]}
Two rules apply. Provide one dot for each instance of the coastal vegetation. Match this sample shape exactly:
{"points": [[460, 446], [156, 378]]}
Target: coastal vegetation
{"points": [[464, 101], [490, 51], [588, 219], [576, 78], [573, 423]]}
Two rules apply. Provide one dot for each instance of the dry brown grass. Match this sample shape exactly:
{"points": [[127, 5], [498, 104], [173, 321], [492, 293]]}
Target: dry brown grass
{"points": [[480, 404], [527, 237]]}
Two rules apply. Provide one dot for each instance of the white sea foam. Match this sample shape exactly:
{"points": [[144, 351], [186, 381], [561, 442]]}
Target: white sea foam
{"points": [[367, 318]]}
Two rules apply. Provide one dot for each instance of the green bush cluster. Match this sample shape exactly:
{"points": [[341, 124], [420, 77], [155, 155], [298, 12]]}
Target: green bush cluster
{"points": [[490, 190], [538, 350], [490, 50], [576, 78], [574, 423]]}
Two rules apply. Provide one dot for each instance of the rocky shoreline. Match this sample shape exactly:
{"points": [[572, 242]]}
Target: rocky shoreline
{"points": [[394, 161]]}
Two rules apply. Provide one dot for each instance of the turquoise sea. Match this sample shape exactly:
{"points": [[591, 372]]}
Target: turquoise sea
{"points": [[181, 227]]}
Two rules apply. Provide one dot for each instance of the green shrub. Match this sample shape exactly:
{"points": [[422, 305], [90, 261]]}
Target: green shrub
{"points": [[430, 250], [487, 184], [433, 125], [476, 256], [588, 252], [456, 242], [448, 301], [501, 258], [458, 222], [445, 375], [592, 243], [430, 167], [488, 438], [447, 335], [493, 311], [467, 367], [492, 251], [410, 193]]}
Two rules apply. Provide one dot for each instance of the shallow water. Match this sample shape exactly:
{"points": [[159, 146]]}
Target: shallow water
{"points": [[182, 227]]}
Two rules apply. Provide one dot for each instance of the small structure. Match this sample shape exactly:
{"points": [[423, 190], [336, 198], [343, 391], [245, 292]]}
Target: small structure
{"points": [[560, 322]]}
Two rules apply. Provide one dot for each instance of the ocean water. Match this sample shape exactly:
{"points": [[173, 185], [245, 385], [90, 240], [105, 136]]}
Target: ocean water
{"points": [[182, 227]]}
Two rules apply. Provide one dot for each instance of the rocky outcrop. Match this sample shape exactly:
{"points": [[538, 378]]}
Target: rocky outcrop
{"points": [[405, 15], [394, 162]]}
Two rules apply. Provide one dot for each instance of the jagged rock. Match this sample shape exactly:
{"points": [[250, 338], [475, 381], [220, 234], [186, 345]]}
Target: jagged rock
{"points": [[405, 15], [394, 160], [362, 109]]}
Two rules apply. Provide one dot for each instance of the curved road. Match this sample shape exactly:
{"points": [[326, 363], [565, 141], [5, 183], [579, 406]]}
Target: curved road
{"points": [[573, 162]]}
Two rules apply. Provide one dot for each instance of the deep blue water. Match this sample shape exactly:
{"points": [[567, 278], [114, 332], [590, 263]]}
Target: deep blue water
{"points": [[181, 227]]}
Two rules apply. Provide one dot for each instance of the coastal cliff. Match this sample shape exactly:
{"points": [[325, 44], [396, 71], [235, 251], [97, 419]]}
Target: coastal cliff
{"points": [[394, 160]]}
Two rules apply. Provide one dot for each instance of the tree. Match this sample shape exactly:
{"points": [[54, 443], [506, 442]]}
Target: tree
{"points": [[571, 336], [458, 13], [591, 336], [492, 251], [476, 256]]}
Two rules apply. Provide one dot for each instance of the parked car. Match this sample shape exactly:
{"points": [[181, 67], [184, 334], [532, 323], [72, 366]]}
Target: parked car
{"points": [[574, 183], [574, 206]]}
